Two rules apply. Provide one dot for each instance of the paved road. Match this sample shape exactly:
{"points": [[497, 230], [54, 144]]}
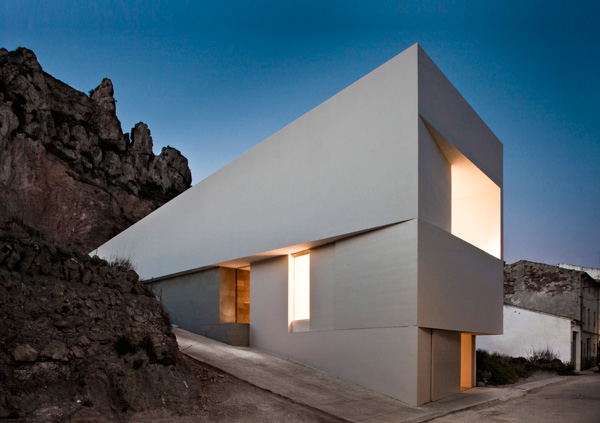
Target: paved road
{"points": [[576, 400]]}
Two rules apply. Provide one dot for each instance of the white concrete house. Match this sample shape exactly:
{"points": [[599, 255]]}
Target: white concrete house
{"points": [[527, 331], [369, 232]]}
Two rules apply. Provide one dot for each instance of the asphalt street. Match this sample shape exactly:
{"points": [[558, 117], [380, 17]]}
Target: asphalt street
{"points": [[575, 400]]}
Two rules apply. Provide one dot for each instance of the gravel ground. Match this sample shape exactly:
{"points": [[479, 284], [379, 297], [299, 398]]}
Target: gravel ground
{"points": [[226, 398]]}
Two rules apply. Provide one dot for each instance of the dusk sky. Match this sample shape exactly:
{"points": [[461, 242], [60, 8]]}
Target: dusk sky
{"points": [[213, 79]]}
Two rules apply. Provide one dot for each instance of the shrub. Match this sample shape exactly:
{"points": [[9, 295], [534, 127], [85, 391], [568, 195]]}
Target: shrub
{"points": [[499, 369], [542, 356], [567, 370], [124, 263]]}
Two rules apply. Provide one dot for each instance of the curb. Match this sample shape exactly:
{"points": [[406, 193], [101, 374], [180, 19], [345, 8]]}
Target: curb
{"points": [[512, 393]]}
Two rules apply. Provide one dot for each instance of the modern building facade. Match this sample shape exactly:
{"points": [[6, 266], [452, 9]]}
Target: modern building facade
{"points": [[369, 232]]}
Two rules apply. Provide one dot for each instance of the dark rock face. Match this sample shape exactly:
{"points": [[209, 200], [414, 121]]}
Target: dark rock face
{"points": [[66, 168], [81, 338]]}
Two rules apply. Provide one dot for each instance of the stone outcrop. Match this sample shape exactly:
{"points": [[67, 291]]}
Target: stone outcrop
{"points": [[82, 340], [66, 167]]}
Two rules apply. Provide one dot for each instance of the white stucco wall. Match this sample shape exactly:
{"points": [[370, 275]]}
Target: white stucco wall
{"points": [[526, 330], [352, 163], [373, 286], [460, 286], [376, 278], [349, 164], [435, 182], [442, 106], [383, 359]]}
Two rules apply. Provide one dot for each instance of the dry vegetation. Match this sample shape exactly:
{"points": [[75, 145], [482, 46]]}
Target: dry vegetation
{"points": [[225, 398], [500, 369]]}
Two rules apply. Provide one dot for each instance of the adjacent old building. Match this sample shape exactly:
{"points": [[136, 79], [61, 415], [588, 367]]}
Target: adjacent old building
{"points": [[553, 307], [363, 239]]}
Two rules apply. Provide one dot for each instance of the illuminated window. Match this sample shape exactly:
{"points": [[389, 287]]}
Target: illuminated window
{"points": [[299, 291], [466, 361], [476, 207], [476, 200]]}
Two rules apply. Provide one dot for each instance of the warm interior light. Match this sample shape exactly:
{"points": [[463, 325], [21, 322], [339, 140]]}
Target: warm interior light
{"points": [[476, 200], [476, 207], [302, 287], [466, 361]]}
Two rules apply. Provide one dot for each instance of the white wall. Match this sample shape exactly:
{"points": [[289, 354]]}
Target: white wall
{"points": [[322, 288], [460, 286], [376, 278], [435, 182], [472, 150], [526, 330], [349, 164], [442, 106], [374, 288], [383, 359], [445, 363]]}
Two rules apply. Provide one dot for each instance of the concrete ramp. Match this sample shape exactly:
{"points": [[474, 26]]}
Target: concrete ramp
{"points": [[346, 400], [297, 382]]}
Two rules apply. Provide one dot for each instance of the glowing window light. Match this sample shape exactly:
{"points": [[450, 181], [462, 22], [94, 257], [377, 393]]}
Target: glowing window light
{"points": [[466, 361], [476, 211], [301, 287], [476, 207]]}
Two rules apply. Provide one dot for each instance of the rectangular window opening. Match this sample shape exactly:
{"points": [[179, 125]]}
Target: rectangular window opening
{"points": [[299, 291], [476, 200], [476, 207]]}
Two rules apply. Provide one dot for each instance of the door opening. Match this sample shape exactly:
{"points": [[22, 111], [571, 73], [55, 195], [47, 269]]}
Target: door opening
{"points": [[466, 361]]}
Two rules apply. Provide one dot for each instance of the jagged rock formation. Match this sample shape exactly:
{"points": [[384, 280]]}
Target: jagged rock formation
{"points": [[66, 168], [82, 340]]}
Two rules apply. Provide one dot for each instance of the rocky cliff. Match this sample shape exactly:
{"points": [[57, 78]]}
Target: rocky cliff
{"points": [[66, 167], [82, 340]]}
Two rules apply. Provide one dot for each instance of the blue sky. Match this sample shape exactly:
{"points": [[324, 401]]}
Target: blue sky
{"points": [[215, 78]]}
